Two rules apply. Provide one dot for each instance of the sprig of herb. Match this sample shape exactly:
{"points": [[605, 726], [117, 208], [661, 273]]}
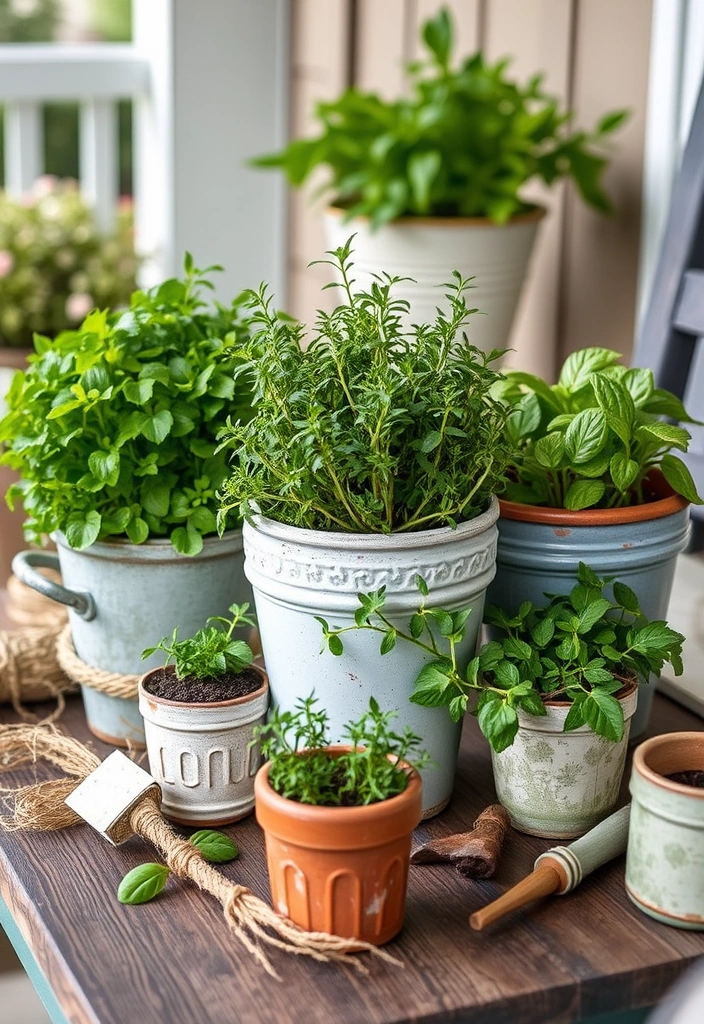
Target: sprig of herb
{"points": [[370, 429], [463, 142], [143, 883], [211, 651], [581, 648], [302, 767], [113, 427], [591, 440]]}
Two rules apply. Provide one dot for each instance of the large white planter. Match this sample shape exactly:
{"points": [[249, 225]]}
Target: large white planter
{"points": [[560, 784], [202, 755], [429, 249], [297, 574]]}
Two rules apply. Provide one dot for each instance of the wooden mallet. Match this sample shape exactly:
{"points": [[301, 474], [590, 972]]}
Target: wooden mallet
{"points": [[561, 869]]}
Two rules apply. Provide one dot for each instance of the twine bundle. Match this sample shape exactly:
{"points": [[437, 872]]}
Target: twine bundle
{"points": [[27, 607], [29, 670], [41, 807], [115, 684]]}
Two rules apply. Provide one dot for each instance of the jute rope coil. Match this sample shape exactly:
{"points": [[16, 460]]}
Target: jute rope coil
{"points": [[41, 807], [115, 684], [29, 670], [26, 607]]}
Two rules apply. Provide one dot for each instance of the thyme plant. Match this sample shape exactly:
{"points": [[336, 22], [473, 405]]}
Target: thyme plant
{"points": [[372, 428]]}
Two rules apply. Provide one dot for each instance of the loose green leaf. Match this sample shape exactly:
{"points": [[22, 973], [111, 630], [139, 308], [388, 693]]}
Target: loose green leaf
{"points": [[142, 883], [214, 846]]}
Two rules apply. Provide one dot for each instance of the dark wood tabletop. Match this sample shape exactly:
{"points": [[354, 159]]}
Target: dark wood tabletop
{"points": [[173, 960]]}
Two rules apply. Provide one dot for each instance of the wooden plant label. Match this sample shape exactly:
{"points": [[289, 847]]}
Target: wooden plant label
{"points": [[109, 793]]}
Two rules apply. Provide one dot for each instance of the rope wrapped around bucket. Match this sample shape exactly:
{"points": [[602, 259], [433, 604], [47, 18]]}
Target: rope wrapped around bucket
{"points": [[41, 807], [115, 684], [29, 670]]}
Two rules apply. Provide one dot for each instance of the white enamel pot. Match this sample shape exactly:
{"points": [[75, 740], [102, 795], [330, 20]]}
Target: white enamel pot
{"points": [[560, 784], [203, 755], [428, 249], [297, 574]]}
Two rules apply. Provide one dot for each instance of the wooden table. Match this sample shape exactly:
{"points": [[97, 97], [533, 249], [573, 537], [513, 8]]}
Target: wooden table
{"points": [[174, 961]]}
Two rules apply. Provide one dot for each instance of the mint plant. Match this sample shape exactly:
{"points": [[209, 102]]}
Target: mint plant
{"points": [[581, 648], [592, 439], [463, 142], [371, 428], [302, 767], [113, 427], [211, 651]]}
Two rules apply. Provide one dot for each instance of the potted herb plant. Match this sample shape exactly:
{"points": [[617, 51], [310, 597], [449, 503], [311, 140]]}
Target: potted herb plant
{"points": [[113, 431], [554, 692], [372, 455], [338, 820], [434, 180], [594, 479], [200, 714], [54, 266]]}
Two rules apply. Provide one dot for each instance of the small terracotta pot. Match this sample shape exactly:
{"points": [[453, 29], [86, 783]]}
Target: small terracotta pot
{"points": [[341, 870], [665, 863], [202, 755]]}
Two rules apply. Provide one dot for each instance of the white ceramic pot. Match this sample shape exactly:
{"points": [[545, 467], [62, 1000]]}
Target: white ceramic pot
{"points": [[202, 755], [560, 784], [665, 861], [429, 249], [297, 574]]}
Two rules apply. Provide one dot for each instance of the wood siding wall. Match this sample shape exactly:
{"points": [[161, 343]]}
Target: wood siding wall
{"points": [[582, 282]]}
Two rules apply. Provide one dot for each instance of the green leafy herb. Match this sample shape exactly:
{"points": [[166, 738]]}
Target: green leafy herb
{"points": [[302, 767], [592, 439], [211, 651], [463, 142], [142, 883], [113, 427], [370, 429], [582, 648], [215, 847]]}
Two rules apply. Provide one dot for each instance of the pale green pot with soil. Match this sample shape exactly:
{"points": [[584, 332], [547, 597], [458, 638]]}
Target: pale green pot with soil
{"points": [[665, 861], [560, 784]]}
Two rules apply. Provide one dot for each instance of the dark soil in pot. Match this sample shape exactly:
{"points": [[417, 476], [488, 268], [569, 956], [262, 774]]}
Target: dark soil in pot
{"points": [[162, 682], [695, 778]]}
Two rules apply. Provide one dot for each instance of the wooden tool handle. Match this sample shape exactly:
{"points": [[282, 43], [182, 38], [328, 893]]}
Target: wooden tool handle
{"points": [[545, 880]]}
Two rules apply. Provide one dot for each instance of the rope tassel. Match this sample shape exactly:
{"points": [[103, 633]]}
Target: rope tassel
{"points": [[41, 807]]}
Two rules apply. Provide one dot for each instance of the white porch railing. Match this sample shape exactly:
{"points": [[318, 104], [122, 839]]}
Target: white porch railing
{"points": [[209, 85]]}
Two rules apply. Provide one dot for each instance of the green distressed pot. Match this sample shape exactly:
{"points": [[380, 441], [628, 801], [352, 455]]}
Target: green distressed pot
{"points": [[665, 861], [560, 784]]}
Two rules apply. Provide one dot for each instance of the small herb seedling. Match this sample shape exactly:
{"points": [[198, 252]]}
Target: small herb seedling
{"points": [[211, 651], [591, 440], [302, 767], [581, 648], [143, 883]]}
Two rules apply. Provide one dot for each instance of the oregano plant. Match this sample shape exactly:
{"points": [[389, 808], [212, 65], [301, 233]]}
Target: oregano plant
{"points": [[113, 426], [593, 439], [581, 648], [462, 142], [303, 768], [371, 428]]}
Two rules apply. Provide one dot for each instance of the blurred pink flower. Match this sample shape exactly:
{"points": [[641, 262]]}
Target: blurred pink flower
{"points": [[79, 305], [44, 185], [7, 262]]}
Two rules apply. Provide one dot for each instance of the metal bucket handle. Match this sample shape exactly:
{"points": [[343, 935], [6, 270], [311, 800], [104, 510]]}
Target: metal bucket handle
{"points": [[25, 565]]}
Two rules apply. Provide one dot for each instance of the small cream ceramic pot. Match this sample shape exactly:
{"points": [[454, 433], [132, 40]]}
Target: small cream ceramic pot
{"points": [[560, 784], [202, 755], [665, 861]]}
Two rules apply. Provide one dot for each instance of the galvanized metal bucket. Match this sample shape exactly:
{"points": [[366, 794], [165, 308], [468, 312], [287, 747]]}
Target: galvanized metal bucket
{"points": [[540, 549], [125, 597]]}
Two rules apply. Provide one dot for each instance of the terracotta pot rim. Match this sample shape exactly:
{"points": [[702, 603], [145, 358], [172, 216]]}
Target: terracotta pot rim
{"points": [[657, 509], [527, 217], [234, 702], [650, 775], [314, 814]]}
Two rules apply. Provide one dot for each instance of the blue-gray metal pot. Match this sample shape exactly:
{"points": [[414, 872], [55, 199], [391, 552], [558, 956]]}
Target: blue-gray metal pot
{"points": [[540, 550], [124, 597]]}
